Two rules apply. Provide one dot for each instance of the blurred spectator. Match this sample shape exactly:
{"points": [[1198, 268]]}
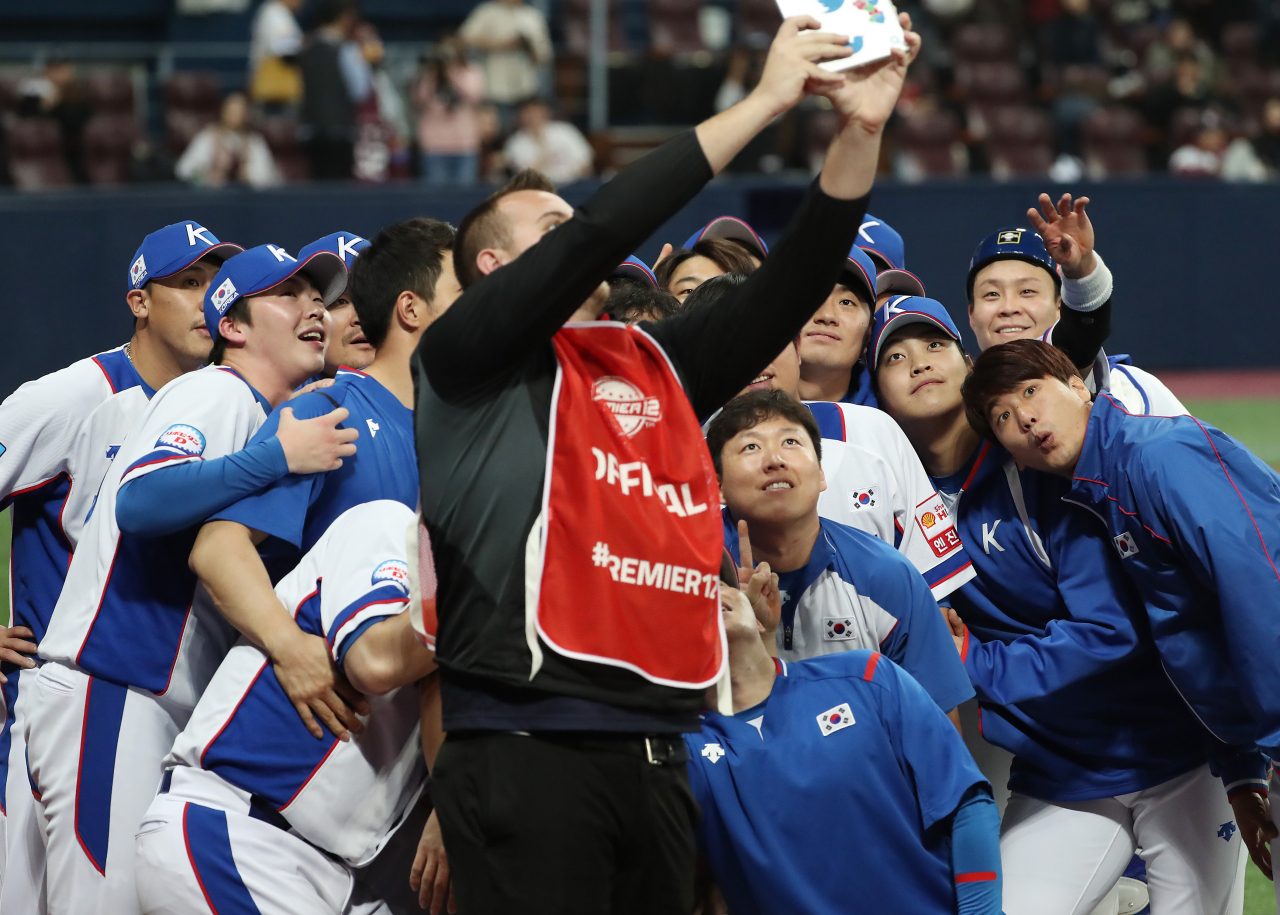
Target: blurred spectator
{"points": [[515, 42], [1074, 36], [333, 78], [555, 148], [382, 144], [1267, 143], [229, 152], [447, 95], [1202, 157], [1072, 41], [276, 38], [493, 167], [57, 93], [1178, 41], [1187, 89]]}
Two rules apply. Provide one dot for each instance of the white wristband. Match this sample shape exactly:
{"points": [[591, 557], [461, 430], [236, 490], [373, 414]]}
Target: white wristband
{"points": [[1090, 292]]}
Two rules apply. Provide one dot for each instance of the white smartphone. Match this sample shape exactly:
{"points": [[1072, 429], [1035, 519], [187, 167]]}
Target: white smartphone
{"points": [[872, 27]]}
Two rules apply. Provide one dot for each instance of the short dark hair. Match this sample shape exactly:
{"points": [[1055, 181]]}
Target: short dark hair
{"points": [[713, 290], [406, 256], [750, 410], [331, 11], [486, 227], [239, 311], [1004, 368], [730, 256], [631, 302]]}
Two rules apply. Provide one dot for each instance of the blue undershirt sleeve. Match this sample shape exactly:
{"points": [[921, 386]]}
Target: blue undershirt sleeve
{"points": [[975, 854], [173, 498]]}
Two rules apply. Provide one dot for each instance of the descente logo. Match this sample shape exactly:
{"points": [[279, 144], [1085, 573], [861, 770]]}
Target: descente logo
{"points": [[393, 571], [628, 404]]}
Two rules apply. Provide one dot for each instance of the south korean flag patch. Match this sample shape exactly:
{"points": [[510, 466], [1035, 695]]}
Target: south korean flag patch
{"points": [[835, 719], [137, 272], [838, 630], [1126, 545], [223, 296]]}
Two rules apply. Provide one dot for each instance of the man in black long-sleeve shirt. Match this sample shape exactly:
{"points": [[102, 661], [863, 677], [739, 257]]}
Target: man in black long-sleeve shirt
{"points": [[560, 786]]}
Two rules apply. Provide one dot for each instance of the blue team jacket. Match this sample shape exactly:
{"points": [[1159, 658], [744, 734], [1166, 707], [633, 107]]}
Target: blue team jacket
{"points": [[1194, 518], [1064, 678]]}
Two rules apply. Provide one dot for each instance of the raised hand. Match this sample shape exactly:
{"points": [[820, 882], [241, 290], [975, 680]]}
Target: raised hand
{"points": [[791, 70], [865, 96], [1067, 234], [760, 584]]}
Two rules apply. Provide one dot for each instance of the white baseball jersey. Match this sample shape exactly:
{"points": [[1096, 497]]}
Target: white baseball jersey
{"points": [[876, 483], [58, 435], [131, 612], [344, 797], [1139, 392]]}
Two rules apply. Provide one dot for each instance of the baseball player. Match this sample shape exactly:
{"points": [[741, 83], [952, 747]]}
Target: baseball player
{"points": [[841, 588], [1010, 299], [875, 482], [130, 646], [400, 283], [1194, 518], [883, 244], [58, 435], [832, 343], [348, 347], [836, 785], [254, 813], [1106, 757], [724, 245]]}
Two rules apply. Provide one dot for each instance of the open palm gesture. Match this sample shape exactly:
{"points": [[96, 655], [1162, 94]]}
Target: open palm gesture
{"points": [[1067, 233]]}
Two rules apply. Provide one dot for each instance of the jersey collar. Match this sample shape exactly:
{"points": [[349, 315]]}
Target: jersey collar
{"points": [[798, 581], [262, 401]]}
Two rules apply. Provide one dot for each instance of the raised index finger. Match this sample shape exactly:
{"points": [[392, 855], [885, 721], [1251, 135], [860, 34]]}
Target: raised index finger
{"points": [[744, 546]]}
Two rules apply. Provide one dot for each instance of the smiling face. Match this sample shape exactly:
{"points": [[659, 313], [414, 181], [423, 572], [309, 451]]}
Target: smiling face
{"points": [[770, 473], [1042, 423], [347, 343], [1012, 300], [782, 374], [836, 335], [920, 372], [174, 310], [288, 332]]}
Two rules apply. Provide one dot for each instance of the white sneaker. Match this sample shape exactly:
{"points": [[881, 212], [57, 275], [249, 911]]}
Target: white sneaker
{"points": [[1133, 895]]}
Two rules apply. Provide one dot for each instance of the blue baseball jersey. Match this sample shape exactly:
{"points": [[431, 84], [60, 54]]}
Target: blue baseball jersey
{"points": [[857, 592], [298, 508], [1194, 518], [832, 795], [860, 391], [1067, 682]]}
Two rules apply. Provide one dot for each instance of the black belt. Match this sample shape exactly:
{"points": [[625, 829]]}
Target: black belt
{"points": [[259, 807], [656, 749]]}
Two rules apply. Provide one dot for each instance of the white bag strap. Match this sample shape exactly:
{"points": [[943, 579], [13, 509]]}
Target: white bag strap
{"points": [[1015, 488]]}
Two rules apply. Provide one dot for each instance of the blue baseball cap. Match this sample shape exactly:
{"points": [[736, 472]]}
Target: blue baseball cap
{"points": [[882, 242], [258, 269], [166, 251], [903, 310], [1014, 243], [859, 272], [899, 282], [347, 245], [636, 269], [730, 228]]}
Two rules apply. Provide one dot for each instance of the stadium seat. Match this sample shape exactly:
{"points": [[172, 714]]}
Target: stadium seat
{"points": [[1239, 44], [577, 27], [928, 145], [1019, 142], [991, 82], [9, 92], [193, 91], [758, 22], [281, 135], [1113, 143], [110, 92], [35, 154], [983, 43], [673, 27], [108, 147], [181, 126]]}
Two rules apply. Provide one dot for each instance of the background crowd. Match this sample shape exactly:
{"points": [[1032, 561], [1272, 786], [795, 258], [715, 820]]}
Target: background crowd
{"points": [[463, 92]]}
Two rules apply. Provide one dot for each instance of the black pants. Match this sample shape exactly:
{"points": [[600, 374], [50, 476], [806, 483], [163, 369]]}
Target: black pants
{"points": [[537, 825]]}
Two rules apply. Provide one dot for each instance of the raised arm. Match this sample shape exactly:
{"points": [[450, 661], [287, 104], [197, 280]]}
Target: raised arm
{"points": [[722, 347], [509, 313], [1085, 322]]}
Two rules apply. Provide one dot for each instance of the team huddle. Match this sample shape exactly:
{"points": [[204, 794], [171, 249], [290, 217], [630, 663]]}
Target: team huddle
{"points": [[389, 574]]}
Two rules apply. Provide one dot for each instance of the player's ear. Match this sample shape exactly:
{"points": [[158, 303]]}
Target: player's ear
{"points": [[411, 310], [822, 479], [489, 260], [139, 302], [1081, 389]]}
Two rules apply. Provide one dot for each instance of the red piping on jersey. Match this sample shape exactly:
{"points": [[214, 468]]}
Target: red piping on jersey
{"points": [[777, 665], [186, 841], [103, 368], [308, 779], [106, 584], [347, 368], [239, 702], [8, 500], [844, 430], [871, 665], [159, 460], [298, 609], [976, 877], [84, 727], [946, 578], [1087, 480], [892, 629], [964, 647], [982, 456], [1265, 551], [372, 603]]}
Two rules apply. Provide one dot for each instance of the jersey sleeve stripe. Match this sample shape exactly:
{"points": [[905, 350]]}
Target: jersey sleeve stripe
{"points": [[976, 877], [152, 459], [355, 613], [872, 661]]}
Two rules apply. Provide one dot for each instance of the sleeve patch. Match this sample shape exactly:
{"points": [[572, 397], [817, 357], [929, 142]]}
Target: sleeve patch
{"points": [[937, 525], [393, 571], [182, 438]]}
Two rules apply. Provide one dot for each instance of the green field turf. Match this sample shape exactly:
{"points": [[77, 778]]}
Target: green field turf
{"points": [[1254, 422]]}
